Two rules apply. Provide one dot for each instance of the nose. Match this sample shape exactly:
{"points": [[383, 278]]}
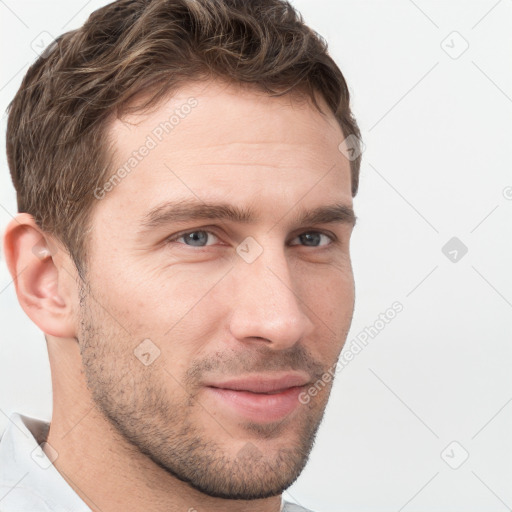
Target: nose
{"points": [[267, 304]]}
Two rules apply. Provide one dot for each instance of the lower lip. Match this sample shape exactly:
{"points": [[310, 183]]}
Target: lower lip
{"points": [[259, 407]]}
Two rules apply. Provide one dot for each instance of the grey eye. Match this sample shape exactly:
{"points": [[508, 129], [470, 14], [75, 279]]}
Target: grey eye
{"points": [[195, 238]]}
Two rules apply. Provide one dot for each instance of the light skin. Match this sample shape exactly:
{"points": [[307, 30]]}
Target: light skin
{"points": [[131, 436]]}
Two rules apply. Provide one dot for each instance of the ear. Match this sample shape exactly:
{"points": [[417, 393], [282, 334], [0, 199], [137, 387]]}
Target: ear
{"points": [[44, 283]]}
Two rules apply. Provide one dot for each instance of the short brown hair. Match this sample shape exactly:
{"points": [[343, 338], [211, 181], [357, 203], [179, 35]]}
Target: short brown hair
{"points": [[56, 140]]}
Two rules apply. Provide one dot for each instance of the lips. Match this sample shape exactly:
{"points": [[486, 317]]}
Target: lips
{"points": [[268, 384], [258, 398]]}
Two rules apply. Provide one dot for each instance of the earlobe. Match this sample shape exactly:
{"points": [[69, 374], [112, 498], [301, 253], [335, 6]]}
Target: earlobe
{"points": [[43, 286]]}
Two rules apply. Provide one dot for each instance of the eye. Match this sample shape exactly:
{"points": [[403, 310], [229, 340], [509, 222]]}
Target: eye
{"points": [[314, 239], [201, 237], [197, 238]]}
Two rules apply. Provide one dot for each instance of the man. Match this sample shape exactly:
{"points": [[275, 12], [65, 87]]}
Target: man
{"points": [[185, 172]]}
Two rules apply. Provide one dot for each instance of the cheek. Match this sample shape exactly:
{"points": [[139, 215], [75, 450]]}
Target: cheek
{"points": [[328, 296], [327, 289], [339, 305], [163, 303]]}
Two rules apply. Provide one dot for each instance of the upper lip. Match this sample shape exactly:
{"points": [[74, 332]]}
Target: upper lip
{"points": [[262, 383]]}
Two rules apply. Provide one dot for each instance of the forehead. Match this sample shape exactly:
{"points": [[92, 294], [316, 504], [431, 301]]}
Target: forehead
{"points": [[229, 112], [215, 140]]}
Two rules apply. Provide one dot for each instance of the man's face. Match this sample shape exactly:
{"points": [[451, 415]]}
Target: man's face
{"points": [[175, 307]]}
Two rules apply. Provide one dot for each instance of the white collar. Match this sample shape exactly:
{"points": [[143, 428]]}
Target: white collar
{"points": [[28, 479]]}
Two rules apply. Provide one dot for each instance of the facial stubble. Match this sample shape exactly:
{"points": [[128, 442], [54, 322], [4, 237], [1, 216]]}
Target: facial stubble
{"points": [[149, 418]]}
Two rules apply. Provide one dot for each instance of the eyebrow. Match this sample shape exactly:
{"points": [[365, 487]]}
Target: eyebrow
{"points": [[192, 209]]}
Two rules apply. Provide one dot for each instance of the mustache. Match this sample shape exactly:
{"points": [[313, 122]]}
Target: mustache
{"points": [[237, 362]]}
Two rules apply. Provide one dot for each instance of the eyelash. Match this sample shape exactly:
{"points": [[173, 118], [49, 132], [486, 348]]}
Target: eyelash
{"points": [[177, 236]]}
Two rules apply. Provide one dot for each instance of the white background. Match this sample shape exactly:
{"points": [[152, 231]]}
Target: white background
{"points": [[437, 164]]}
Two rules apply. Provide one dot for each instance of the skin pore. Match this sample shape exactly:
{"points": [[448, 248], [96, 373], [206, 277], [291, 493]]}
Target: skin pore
{"points": [[169, 304]]}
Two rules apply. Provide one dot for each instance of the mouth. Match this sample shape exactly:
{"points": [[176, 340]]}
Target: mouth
{"points": [[259, 398]]}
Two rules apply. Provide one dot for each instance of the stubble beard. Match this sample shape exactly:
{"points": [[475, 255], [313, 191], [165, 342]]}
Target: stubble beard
{"points": [[138, 405]]}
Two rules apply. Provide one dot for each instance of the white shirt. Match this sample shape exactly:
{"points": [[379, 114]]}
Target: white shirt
{"points": [[29, 482]]}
